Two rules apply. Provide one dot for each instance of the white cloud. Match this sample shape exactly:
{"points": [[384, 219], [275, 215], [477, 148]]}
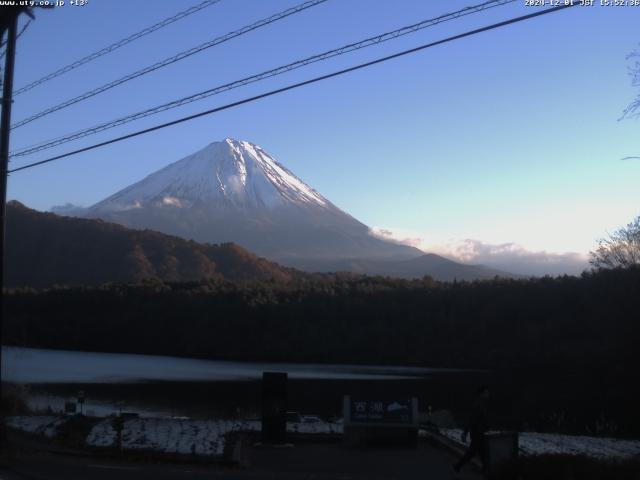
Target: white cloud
{"points": [[510, 257], [69, 210], [396, 237], [515, 258]]}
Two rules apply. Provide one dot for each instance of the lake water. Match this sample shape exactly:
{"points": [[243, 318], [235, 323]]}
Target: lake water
{"points": [[36, 366], [171, 386]]}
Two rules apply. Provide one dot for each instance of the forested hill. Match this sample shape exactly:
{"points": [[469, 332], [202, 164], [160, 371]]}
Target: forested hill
{"points": [[44, 249], [566, 340], [566, 321]]}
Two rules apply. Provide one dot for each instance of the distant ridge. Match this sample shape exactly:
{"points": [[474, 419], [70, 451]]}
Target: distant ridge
{"points": [[45, 249], [429, 264]]}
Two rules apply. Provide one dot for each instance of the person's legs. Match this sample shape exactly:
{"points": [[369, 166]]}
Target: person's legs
{"points": [[483, 453], [470, 453]]}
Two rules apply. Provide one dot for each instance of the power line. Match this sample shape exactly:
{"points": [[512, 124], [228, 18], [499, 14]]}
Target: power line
{"points": [[118, 44], [297, 85], [171, 60], [24, 27], [22, 30], [261, 76]]}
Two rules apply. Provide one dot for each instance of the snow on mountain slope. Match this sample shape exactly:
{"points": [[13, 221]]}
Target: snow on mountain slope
{"points": [[233, 191], [231, 172]]}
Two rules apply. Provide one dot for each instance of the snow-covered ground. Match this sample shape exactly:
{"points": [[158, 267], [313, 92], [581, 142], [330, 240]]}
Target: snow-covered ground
{"points": [[532, 443], [315, 427], [102, 435], [93, 407], [199, 437], [207, 437], [40, 425], [320, 427]]}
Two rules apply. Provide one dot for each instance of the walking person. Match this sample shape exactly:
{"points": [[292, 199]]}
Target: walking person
{"points": [[477, 426]]}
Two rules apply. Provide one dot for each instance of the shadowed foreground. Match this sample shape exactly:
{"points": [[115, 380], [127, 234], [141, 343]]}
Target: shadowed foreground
{"points": [[304, 461]]}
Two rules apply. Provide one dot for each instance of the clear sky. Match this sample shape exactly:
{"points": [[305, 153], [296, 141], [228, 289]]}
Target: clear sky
{"points": [[505, 144]]}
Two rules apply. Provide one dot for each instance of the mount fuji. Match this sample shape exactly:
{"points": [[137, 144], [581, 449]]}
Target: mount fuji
{"points": [[233, 191]]}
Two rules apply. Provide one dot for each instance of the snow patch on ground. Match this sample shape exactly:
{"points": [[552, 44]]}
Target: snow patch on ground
{"points": [[532, 443], [314, 427], [197, 437], [189, 437], [39, 425], [327, 428], [102, 435]]}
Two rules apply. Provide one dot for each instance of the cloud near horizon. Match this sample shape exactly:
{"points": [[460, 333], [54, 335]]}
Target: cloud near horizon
{"points": [[509, 257]]}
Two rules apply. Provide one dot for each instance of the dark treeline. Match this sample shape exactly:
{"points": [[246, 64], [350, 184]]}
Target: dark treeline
{"points": [[548, 321], [578, 335]]}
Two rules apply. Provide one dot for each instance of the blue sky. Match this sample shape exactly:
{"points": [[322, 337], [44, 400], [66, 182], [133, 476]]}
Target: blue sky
{"points": [[502, 145]]}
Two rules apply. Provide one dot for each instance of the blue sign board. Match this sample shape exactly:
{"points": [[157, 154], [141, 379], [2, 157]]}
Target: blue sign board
{"points": [[381, 411]]}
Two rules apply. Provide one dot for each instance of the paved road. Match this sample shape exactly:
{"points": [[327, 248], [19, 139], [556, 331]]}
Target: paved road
{"points": [[337, 461], [304, 461]]}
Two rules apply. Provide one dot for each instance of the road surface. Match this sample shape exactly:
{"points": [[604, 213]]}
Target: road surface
{"points": [[329, 461]]}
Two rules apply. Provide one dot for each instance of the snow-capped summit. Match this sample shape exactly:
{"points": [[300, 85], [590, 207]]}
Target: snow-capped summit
{"points": [[234, 191], [231, 172]]}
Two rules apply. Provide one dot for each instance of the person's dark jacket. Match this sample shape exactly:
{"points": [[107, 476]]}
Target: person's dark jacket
{"points": [[478, 421]]}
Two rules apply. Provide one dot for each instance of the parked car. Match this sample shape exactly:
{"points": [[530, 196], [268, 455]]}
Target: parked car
{"points": [[294, 417], [311, 419]]}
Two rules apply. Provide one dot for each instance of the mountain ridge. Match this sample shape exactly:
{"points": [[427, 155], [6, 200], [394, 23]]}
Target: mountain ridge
{"points": [[429, 264], [46, 249]]}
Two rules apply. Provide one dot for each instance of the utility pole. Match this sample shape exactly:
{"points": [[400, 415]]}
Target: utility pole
{"points": [[9, 19], [5, 128]]}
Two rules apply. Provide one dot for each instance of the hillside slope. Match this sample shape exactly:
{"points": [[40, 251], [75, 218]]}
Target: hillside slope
{"points": [[45, 249]]}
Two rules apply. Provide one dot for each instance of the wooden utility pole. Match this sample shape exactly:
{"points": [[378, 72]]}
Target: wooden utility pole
{"points": [[5, 128], [9, 24]]}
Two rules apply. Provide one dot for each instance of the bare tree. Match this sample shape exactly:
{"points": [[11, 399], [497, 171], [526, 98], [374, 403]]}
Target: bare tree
{"points": [[633, 110], [619, 249]]}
